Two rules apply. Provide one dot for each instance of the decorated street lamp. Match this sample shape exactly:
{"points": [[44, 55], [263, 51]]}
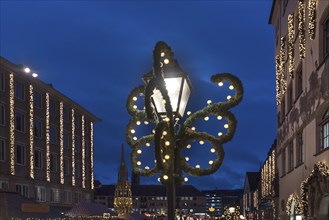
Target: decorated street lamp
{"points": [[166, 92]]}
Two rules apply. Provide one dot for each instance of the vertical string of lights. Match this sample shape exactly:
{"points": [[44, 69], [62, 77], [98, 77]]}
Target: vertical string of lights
{"points": [[311, 18], [278, 79], [47, 139], [301, 28], [291, 38], [73, 148], [31, 134], [61, 151], [83, 151], [92, 154], [12, 123]]}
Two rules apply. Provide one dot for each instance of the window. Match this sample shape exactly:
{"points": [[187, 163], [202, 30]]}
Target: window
{"points": [[77, 144], [2, 115], [2, 150], [283, 161], [326, 37], [66, 166], [66, 140], [40, 194], [77, 169], [20, 154], [23, 190], [283, 109], [19, 90], [54, 195], [52, 135], [299, 148], [77, 197], [76, 120], [37, 128], [66, 115], [53, 163], [325, 131], [37, 100], [2, 82], [4, 185], [291, 156], [20, 121], [299, 82], [289, 96], [52, 107], [38, 159], [67, 197]]}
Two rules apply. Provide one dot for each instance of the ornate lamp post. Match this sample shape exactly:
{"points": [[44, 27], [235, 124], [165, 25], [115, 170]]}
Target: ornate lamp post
{"points": [[165, 94]]}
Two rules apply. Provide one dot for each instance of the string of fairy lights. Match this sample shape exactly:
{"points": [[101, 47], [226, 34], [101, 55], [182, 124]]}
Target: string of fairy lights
{"points": [[92, 154], [281, 82], [267, 176], [294, 200], [47, 139], [12, 124], [61, 141], [73, 146], [83, 151], [31, 134]]}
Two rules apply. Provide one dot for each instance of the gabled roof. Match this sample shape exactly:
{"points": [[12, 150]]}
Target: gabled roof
{"points": [[251, 181]]}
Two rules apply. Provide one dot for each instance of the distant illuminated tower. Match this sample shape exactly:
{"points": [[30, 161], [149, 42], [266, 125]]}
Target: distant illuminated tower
{"points": [[122, 196]]}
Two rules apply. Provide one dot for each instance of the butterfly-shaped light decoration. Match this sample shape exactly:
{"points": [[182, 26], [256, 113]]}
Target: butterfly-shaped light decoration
{"points": [[169, 143]]}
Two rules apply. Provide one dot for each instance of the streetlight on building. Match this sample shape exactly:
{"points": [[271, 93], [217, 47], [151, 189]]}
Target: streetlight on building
{"points": [[166, 92]]}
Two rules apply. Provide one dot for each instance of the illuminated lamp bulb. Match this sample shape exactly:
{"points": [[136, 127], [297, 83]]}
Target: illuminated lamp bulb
{"points": [[159, 179], [147, 168], [139, 163], [167, 157], [185, 179], [135, 138], [164, 133], [165, 177], [132, 131], [209, 102], [27, 70], [211, 162], [167, 143], [206, 118], [166, 61], [187, 158], [226, 126], [135, 98], [167, 119], [148, 144], [188, 146], [201, 142], [155, 161], [220, 84], [189, 112], [219, 117], [193, 128], [134, 106], [229, 97], [212, 150], [162, 54], [231, 87], [153, 131], [197, 166], [138, 123], [139, 151], [34, 75], [163, 101], [220, 134], [164, 161], [146, 122]]}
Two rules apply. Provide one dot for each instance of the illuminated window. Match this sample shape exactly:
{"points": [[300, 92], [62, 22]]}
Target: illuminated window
{"points": [[37, 99], [52, 135], [54, 195], [40, 192], [19, 90], [23, 190], [38, 158], [66, 167], [325, 131], [299, 148], [20, 155], [67, 197], [2, 115], [37, 128], [52, 107], [53, 163], [19, 121], [2, 150], [2, 82]]}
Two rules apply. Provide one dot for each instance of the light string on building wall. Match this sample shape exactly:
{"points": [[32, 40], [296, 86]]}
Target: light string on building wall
{"points": [[92, 154], [311, 18], [73, 147], [47, 139], [83, 151], [291, 39], [293, 199], [12, 123], [301, 28], [61, 137], [281, 84], [31, 133]]}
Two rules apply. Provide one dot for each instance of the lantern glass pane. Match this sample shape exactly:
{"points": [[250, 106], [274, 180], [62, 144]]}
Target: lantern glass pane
{"points": [[185, 96]]}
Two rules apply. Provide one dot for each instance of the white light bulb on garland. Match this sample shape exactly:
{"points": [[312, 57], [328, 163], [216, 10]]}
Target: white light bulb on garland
{"points": [[197, 166], [155, 161], [226, 126], [167, 157], [164, 161], [188, 146], [185, 179], [188, 112], [153, 131], [167, 119], [139, 151], [229, 97], [135, 138], [209, 102], [165, 177], [132, 131], [211, 162], [146, 122], [219, 117], [138, 122], [159, 179], [220, 84], [162, 54], [148, 144], [135, 106], [163, 101], [193, 128], [212, 150], [27, 70], [147, 168], [187, 158], [231, 87], [167, 143], [164, 133], [135, 98], [206, 118], [201, 142], [220, 134], [139, 163], [166, 61]]}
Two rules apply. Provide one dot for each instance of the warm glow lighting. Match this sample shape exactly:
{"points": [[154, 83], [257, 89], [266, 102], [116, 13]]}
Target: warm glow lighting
{"points": [[27, 70], [135, 138], [31, 134], [188, 146], [167, 119], [153, 131], [229, 97], [47, 139], [167, 157], [92, 154], [185, 179], [139, 151], [291, 39], [134, 106], [83, 146], [232, 209], [148, 144], [162, 54], [166, 61], [12, 124], [220, 84], [231, 87], [165, 177], [220, 133], [212, 150], [135, 98], [167, 143], [147, 168], [311, 18], [301, 28], [209, 102], [193, 128], [61, 142], [159, 179], [219, 117], [211, 162], [187, 158], [164, 133], [132, 131], [146, 122], [226, 126], [197, 166], [73, 147], [206, 118], [34, 75], [189, 112], [201, 142], [138, 123], [139, 163]]}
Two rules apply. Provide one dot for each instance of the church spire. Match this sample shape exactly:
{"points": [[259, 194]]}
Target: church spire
{"points": [[123, 172], [122, 155]]}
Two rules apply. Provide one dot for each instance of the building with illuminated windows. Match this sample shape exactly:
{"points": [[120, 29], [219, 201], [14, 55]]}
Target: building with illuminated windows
{"points": [[302, 93], [46, 142]]}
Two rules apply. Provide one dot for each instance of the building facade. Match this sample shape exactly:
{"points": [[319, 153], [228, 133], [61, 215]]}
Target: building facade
{"points": [[302, 80], [250, 194], [46, 141]]}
